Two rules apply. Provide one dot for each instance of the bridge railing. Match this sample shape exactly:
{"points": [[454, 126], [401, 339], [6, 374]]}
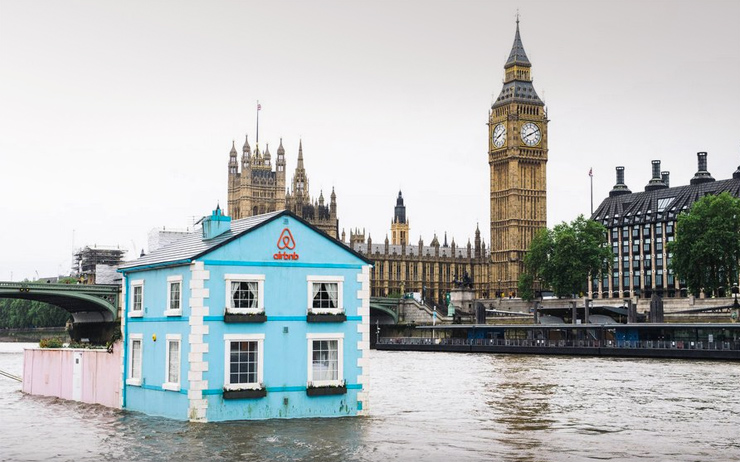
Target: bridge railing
{"points": [[541, 343], [102, 288]]}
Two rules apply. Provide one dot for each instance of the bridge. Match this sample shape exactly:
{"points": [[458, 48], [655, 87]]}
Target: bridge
{"points": [[384, 310], [94, 308]]}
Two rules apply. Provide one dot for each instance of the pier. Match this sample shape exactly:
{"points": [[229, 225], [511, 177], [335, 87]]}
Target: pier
{"points": [[643, 340]]}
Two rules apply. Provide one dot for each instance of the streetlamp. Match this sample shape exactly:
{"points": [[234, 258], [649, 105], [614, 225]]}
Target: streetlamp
{"points": [[735, 291], [499, 291]]}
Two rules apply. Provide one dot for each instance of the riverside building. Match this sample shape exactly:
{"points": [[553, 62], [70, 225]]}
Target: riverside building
{"points": [[641, 224], [263, 317]]}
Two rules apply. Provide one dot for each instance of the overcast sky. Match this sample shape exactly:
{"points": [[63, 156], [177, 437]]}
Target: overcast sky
{"points": [[118, 117]]}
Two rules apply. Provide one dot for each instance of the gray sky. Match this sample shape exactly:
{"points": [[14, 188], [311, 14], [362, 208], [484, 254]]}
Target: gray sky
{"points": [[118, 117]]}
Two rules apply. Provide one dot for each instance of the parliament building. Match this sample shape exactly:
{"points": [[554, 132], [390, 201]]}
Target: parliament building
{"points": [[517, 158], [255, 188]]}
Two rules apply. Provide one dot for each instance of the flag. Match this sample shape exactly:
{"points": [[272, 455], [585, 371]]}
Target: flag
{"points": [[591, 172], [259, 106]]}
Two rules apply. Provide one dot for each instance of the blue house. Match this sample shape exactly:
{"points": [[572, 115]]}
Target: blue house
{"points": [[263, 317]]}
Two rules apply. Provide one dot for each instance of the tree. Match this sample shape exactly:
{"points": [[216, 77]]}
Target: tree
{"points": [[563, 258], [706, 252]]}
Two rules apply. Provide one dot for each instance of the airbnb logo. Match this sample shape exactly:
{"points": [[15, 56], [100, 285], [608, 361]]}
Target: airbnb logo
{"points": [[285, 242]]}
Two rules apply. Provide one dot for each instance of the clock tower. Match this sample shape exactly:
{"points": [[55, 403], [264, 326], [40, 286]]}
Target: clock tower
{"points": [[517, 156]]}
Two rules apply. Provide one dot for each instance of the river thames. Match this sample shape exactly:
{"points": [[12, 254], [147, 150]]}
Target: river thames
{"points": [[424, 406]]}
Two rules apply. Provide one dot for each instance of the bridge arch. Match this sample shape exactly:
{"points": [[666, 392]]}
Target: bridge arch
{"points": [[384, 310], [86, 303]]}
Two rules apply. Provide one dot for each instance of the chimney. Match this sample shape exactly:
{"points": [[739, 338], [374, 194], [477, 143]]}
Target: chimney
{"points": [[702, 175], [656, 182], [216, 224], [619, 188], [666, 175]]}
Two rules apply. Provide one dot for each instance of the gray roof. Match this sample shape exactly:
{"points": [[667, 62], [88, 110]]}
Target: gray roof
{"points": [[192, 244], [520, 91], [517, 55], [658, 205]]}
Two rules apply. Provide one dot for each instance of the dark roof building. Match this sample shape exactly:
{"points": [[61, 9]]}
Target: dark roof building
{"points": [[641, 223]]}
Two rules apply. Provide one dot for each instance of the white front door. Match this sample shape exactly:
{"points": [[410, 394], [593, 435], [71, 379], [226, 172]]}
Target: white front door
{"points": [[77, 376]]}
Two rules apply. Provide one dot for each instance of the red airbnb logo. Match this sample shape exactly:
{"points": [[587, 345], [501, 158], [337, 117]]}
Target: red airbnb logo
{"points": [[285, 242]]}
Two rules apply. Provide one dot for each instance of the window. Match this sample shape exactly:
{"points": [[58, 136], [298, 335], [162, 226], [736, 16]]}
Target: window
{"points": [[245, 293], [174, 296], [137, 298], [243, 359], [134, 362], [325, 294], [663, 203], [172, 363], [325, 358]]}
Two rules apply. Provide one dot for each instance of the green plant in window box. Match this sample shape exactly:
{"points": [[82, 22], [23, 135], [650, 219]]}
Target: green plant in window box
{"points": [[326, 317], [326, 390], [245, 393], [230, 317]]}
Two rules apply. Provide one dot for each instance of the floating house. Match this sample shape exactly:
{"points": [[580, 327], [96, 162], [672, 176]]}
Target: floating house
{"points": [[263, 317]]}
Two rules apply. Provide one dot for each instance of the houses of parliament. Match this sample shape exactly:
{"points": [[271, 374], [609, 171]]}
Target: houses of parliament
{"points": [[517, 159]]}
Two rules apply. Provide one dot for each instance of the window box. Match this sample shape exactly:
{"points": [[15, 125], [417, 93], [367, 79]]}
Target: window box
{"points": [[326, 390], [244, 317], [326, 317], [247, 393]]}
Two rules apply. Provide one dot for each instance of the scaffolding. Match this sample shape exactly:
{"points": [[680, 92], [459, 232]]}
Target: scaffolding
{"points": [[87, 258]]}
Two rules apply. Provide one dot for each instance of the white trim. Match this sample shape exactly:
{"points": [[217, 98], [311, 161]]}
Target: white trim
{"points": [[167, 385], [260, 339], [339, 338], [259, 279], [140, 312], [310, 280], [131, 380], [168, 311]]}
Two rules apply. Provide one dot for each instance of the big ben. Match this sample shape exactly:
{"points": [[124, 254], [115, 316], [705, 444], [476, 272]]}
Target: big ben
{"points": [[517, 155]]}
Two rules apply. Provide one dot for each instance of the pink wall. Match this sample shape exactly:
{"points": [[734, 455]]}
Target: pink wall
{"points": [[50, 372]]}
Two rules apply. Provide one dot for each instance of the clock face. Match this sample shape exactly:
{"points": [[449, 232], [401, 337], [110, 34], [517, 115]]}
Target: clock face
{"points": [[499, 135], [531, 134]]}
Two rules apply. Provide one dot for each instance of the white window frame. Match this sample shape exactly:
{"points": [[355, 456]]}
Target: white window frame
{"points": [[260, 339], [131, 380], [339, 280], [339, 337], [167, 385], [259, 279], [168, 310], [133, 313]]}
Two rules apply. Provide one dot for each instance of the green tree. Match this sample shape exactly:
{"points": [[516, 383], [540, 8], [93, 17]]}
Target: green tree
{"points": [[564, 257], [706, 252]]}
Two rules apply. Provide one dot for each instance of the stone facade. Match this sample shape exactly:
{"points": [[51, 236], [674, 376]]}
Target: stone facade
{"points": [[517, 156], [255, 188], [431, 271]]}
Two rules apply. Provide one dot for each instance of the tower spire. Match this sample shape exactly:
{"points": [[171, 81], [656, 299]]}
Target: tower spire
{"points": [[257, 141], [517, 56]]}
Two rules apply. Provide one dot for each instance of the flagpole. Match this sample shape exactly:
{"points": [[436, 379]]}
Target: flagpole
{"points": [[591, 176], [258, 124]]}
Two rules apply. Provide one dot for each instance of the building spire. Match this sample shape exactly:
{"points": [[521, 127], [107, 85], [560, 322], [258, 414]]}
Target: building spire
{"points": [[300, 154], [517, 55]]}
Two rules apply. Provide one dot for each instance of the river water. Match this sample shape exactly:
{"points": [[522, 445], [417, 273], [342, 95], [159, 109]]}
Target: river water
{"points": [[424, 406]]}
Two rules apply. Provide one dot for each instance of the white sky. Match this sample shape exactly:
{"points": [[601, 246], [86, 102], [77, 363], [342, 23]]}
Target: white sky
{"points": [[118, 117]]}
